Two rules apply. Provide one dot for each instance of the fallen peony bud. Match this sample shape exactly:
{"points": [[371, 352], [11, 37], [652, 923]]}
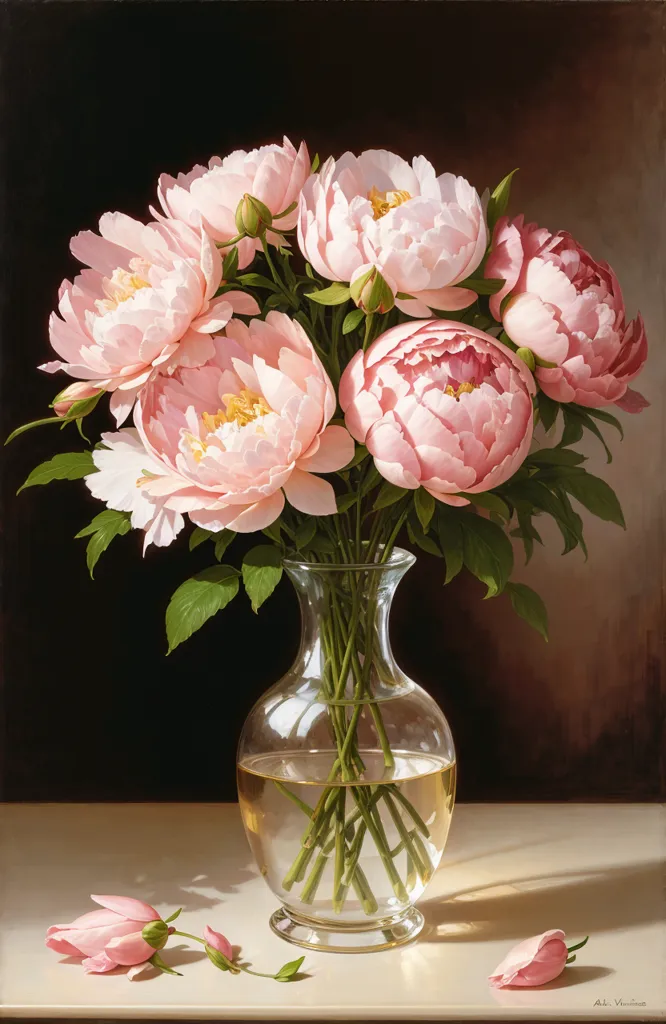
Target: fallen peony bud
{"points": [[535, 961]]}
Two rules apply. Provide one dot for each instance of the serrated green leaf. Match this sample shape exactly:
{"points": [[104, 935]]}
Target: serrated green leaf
{"points": [[527, 603], [334, 295], [197, 599], [418, 537], [102, 530], [596, 495], [66, 466], [449, 532], [230, 264], [424, 503], [483, 285], [499, 201], [491, 502], [157, 961], [388, 495], [198, 536], [305, 533], [287, 971], [222, 541], [487, 553], [352, 320], [262, 570]]}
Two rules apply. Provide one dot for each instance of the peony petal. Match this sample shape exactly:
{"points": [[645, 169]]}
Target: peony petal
{"points": [[336, 449], [310, 494], [98, 964], [129, 949], [632, 401], [135, 910]]}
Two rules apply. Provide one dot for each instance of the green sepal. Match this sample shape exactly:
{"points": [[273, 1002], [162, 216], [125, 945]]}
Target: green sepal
{"points": [[155, 933], [157, 961]]}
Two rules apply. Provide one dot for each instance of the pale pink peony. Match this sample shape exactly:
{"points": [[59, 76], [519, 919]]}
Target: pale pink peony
{"points": [[218, 941], [75, 392], [106, 938], [440, 405], [424, 233], [273, 174], [535, 961], [227, 441], [568, 308], [147, 304]]}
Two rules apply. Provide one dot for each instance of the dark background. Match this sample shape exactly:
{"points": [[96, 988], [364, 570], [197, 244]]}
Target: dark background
{"points": [[98, 99]]}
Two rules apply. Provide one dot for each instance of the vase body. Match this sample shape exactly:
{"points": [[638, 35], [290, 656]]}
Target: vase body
{"points": [[346, 770]]}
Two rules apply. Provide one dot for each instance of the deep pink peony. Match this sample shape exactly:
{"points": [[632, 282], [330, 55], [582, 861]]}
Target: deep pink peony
{"points": [[440, 405], [227, 441], [569, 310], [146, 305], [535, 961], [106, 938], [424, 233], [273, 174]]}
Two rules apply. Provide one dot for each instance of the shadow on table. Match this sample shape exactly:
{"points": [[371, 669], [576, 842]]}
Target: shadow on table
{"points": [[580, 903]]}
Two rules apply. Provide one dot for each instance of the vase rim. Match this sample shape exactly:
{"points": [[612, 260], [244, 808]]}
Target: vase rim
{"points": [[398, 559]]}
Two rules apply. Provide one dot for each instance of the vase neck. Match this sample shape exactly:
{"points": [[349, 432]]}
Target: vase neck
{"points": [[345, 650]]}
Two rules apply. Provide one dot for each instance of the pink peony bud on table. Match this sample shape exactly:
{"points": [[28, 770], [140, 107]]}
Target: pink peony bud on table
{"points": [[110, 937], [535, 961], [75, 392], [217, 941], [371, 291]]}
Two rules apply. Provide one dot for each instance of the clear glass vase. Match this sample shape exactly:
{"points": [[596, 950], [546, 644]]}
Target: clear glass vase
{"points": [[346, 770]]}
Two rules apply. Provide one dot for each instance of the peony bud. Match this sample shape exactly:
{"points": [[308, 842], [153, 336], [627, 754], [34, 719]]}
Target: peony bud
{"points": [[527, 356], [76, 392], [155, 933], [252, 217], [371, 292]]}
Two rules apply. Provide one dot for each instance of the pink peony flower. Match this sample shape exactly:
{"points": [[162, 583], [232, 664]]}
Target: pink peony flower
{"points": [[147, 304], [273, 174], [227, 441], [75, 392], [424, 233], [569, 310], [106, 938], [217, 941], [535, 961], [440, 405]]}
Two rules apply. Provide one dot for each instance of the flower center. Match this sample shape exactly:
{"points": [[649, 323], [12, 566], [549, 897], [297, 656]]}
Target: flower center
{"points": [[382, 202], [241, 409], [465, 388], [122, 285]]}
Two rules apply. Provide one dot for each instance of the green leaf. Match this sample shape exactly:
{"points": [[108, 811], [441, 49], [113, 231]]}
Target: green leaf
{"points": [[157, 961], [487, 553], [197, 599], [573, 429], [315, 163], [449, 532], [35, 423], [526, 530], [607, 417], [262, 570], [172, 917], [596, 495], [527, 603], [334, 295], [555, 504], [222, 541], [273, 531], [499, 201], [352, 320], [230, 264], [388, 495], [360, 454], [483, 285], [322, 545], [424, 503], [491, 502], [346, 500], [555, 456], [287, 971], [370, 481], [198, 536], [257, 281], [102, 530], [305, 533], [66, 466], [275, 300], [418, 537], [575, 418]]}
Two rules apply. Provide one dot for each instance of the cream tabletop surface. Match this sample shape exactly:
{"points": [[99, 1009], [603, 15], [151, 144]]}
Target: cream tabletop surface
{"points": [[509, 871]]}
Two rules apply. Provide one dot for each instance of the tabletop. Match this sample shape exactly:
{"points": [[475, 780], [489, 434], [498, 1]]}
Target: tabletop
{"points": [[509, 871]]}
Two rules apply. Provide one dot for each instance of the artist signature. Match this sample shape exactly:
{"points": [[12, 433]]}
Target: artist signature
{"points": [[618, 1002]]}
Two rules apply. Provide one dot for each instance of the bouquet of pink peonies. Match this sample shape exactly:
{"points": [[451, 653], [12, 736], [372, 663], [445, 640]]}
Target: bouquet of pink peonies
{"points": [[329, 358]]}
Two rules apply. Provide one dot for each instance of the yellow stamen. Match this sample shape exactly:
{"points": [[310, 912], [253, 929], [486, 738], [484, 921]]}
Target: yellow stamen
{"points": [[465, 388], [120, 286], [245, 407], [212, 422], [382, 202], [197, 446]]}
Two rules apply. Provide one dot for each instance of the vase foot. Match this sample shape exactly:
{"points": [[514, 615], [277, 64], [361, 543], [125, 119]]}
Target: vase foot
{"points": [[336, 937]]}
